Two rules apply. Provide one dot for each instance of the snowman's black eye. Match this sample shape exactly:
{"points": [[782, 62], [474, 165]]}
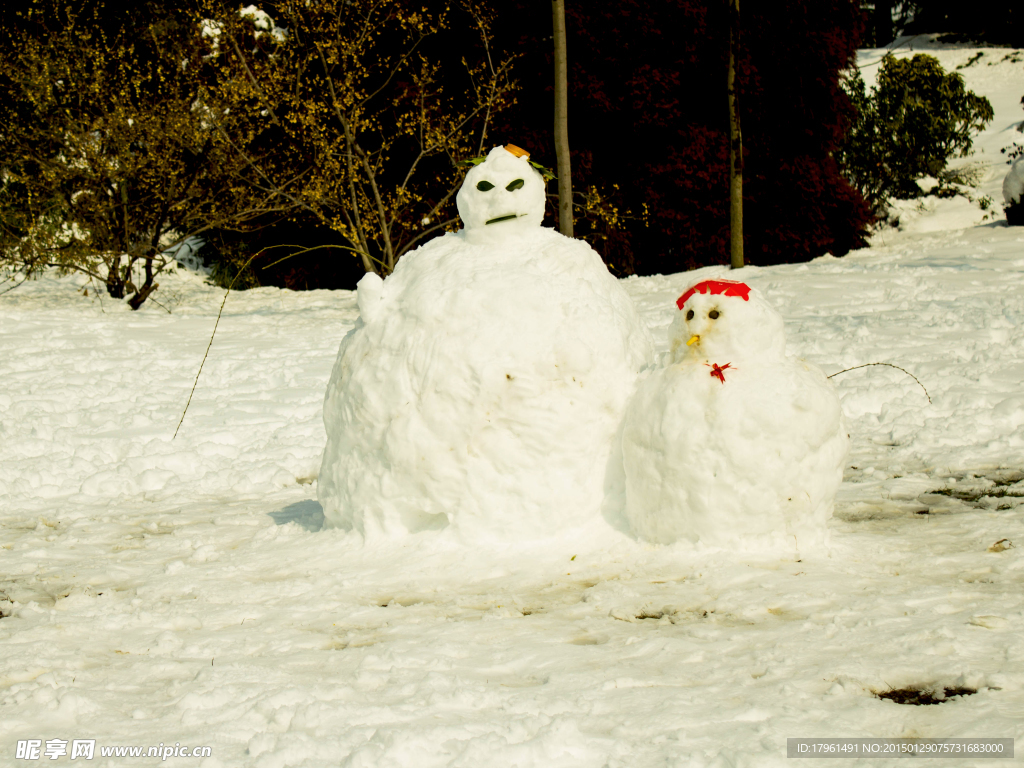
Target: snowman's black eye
{"points": [[484, 186], [713, 314], [689, 315], [514, 185]]}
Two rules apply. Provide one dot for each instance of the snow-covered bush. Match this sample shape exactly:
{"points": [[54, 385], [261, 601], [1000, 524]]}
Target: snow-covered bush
{"points": [[109, 159], [1013, 193], [141, 130], [912, 122]]}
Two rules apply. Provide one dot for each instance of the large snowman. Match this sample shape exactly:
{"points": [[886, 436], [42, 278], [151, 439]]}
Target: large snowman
{"points": [[483, 384]]}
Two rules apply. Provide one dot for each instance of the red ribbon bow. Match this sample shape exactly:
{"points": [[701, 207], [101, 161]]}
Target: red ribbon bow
{"points": [[718, 372]]}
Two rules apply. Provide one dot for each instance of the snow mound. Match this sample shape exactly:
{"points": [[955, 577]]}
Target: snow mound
{"points": [[732, 444], [483, 386], [1013, 184]]}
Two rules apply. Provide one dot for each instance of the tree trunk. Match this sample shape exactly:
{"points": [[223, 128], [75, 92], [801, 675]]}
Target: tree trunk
{"points": [[115, 285], [735, 145], [562, 122], [882, 22], [141, 294]]}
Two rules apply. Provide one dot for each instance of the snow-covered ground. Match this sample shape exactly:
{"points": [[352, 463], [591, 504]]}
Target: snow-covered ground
{"points": [[160, 591]]}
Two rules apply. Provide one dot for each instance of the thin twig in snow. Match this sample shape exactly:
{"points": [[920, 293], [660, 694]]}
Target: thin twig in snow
{"points": [[891, 366]]}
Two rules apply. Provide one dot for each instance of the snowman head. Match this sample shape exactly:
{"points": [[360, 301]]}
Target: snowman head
{"points": [[725, 322], [501, 197]]}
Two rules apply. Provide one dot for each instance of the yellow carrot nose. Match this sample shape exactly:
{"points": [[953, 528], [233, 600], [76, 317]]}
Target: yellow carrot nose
{"points": [[693, 340]]}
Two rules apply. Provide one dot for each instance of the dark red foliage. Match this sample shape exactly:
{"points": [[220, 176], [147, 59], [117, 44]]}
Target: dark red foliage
{"points": [[648, 113]]}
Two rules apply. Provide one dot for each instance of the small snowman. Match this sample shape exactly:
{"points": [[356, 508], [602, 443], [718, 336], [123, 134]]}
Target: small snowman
{"points": [[732, 444], [483, 385]]}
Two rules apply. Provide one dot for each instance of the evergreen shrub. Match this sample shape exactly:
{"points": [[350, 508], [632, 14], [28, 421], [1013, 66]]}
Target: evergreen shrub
{"points": [[912, 123]]}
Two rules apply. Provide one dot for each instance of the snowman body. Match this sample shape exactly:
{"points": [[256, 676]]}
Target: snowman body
{"points": [[484, 382], [733, 443]]}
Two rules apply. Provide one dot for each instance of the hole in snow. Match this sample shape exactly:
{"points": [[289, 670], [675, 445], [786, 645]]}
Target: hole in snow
{"points": [[918, 696]]}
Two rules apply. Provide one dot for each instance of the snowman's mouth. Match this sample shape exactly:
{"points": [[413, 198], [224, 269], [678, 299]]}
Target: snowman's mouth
{"points": [[506, 217]]}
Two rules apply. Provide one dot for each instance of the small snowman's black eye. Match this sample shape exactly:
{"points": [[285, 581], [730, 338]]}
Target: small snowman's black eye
{"points": [[485, 186], [689, 315], [514, 185], [713, 314]]}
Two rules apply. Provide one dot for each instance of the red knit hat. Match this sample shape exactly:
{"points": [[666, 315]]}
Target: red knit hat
{"points": [[714, 287]]}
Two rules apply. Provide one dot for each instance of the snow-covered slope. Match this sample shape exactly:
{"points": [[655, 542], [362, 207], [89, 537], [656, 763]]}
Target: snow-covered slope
{"points": [[180, 591]]}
